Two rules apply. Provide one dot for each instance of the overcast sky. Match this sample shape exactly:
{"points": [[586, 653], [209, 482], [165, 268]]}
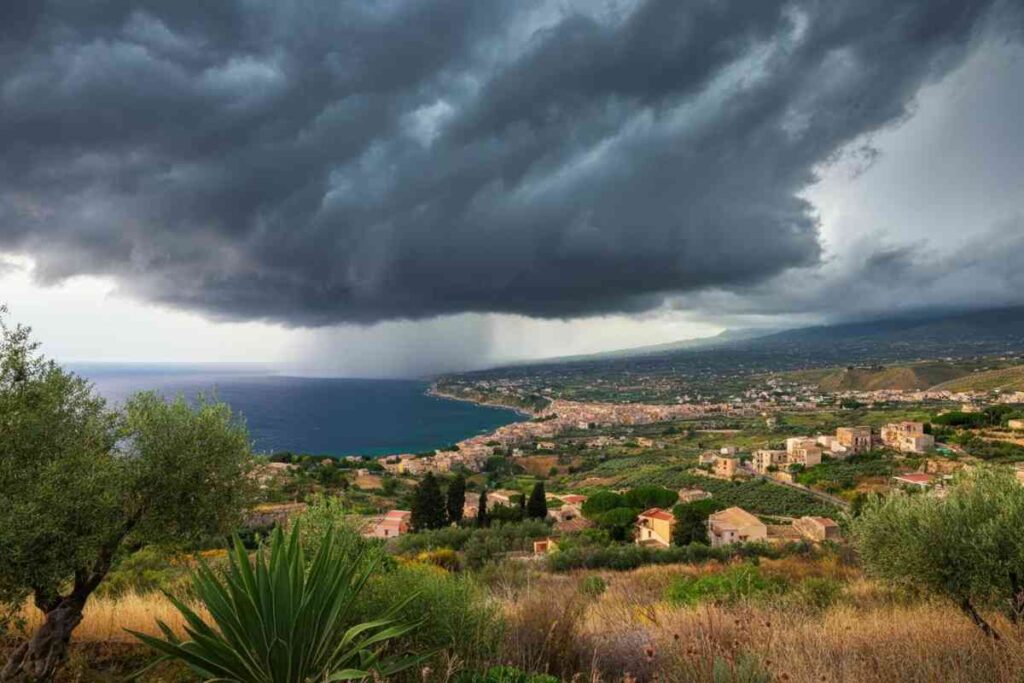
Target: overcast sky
{"points": [[402, 187]]}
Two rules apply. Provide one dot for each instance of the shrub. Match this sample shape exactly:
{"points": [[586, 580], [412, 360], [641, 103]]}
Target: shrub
{"points": [[817, 592], [508, 674], [452, 611], [625, 557], [445, 558], [731, 585], [281, 619], [593, 586]]}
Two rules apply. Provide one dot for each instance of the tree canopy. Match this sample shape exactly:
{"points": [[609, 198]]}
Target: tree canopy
{"points": [[537, 506], [82, 482], [967, 546], [428, 506]]}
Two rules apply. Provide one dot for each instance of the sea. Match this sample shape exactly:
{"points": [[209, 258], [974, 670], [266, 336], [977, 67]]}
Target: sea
{"points": [[312, 415]]}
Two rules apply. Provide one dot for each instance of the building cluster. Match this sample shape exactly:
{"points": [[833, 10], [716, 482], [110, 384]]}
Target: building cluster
{"points": [[655, 527], [907, 437]]}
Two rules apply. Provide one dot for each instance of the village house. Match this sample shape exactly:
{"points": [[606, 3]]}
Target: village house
{"points": [[692, 495], [504, 497], [854, 439], [573, 499], [471, 505], [818, 528], [707, 458], [654, 527], [915, 480], [726, 467], [393, 524], [765, 460], [1016, 425], [545, 546], [729, 451], [907, 437], [735, 525]]}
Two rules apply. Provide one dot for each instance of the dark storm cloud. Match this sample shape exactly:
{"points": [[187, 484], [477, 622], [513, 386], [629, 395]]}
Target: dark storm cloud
{"points": [[321, 162]]}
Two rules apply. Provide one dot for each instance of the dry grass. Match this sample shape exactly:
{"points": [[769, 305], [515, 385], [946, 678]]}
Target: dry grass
{"points": [[872, 634], [106, 620]]}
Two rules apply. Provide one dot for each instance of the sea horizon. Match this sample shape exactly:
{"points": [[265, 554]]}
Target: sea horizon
{"points": [[310, 414]]}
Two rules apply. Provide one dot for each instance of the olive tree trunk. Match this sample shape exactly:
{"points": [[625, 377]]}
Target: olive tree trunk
{"points": [[39, 658]]}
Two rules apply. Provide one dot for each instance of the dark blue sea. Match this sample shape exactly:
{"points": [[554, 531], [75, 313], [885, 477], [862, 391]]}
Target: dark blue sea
{"points": [[321, 416]]}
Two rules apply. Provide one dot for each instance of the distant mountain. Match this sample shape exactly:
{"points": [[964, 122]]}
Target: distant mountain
{"points": [[720, 339], [891, 340]]}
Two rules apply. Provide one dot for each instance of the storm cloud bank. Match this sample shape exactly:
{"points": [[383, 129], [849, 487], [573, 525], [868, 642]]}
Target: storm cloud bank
{"points": [[321, 162]]}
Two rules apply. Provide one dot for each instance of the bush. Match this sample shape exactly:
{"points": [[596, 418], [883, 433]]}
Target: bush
{"points": [[645, 497], [730, 586], [454, 613], [313, 634], [625, 557], [507, 674], [600, 502], [817, 592], [593, 586]]}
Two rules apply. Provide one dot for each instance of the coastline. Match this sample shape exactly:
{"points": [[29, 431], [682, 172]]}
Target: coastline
{"points": [[433, 391]]}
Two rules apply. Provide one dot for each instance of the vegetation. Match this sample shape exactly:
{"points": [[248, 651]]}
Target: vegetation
{"points": [[966, 547], [691, 521], [736, 583], [284, 619], [81, 484], [842, 475], [428, 505], [537, 506], [455, 498]]}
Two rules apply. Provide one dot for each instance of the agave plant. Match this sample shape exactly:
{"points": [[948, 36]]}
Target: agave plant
{"points": [[283, 619]]}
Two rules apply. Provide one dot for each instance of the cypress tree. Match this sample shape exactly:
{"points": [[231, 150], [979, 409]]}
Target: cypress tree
{"points": [[537, 508], [428, 505], [482, 518], [456, 498]]}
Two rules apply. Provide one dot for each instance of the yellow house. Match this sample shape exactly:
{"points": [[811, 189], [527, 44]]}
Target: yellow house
{"points": [[654, 527], [726, 467], [735, 525]]}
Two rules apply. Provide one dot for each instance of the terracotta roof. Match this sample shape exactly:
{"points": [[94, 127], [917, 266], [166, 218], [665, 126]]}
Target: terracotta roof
{"points": [[397, 515], [916, 478], [573, 525], [573, 498], [825, 521], [735, 516], [657, 513]]}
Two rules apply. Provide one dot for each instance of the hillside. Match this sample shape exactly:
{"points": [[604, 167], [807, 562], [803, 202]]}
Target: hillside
{"points": [[900, 377], [1004, 379], [908, 346]]}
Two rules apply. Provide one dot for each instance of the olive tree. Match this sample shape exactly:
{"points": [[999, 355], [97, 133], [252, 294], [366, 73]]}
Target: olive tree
{"points": [[966, 546], [82, 484]]}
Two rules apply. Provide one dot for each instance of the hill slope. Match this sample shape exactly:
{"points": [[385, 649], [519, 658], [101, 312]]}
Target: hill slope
{"points": [[901, 377], [1004, 379]]}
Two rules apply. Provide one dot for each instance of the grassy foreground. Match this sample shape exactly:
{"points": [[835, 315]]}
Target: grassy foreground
{"points": [[615, 626]]}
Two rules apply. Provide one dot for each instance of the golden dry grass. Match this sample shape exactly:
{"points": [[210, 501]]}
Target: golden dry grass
{"points": [[871, 634], [107, 620]]}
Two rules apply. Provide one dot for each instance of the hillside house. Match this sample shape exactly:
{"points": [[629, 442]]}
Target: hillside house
{"points": [[907, 437], [726, 467], [504, 497], [545, 546], [707, 458], [735, 525], [818, 529], [654, 527], [393, 524], [854, 439]]}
